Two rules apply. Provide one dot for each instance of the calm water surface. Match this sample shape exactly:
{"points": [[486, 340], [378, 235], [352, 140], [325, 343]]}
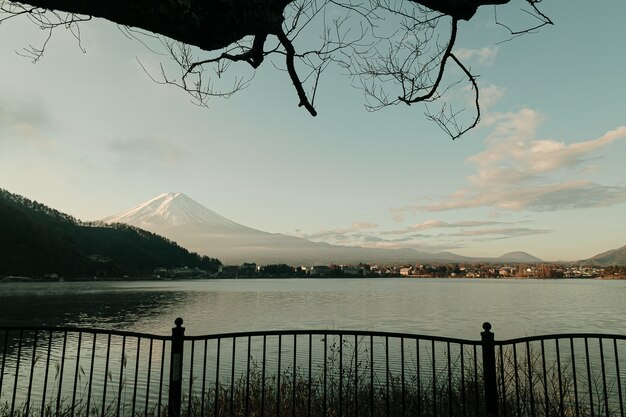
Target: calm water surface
{"points": [[446, 307]]}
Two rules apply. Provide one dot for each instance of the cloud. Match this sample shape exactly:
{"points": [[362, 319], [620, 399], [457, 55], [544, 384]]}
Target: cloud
{"points": [[422, 246], [341, 234], [437, 224], [153, 151], [465, 232], [24, 124], [430, 235], [484, 56], [517, 172], [500, 232], [490, 95]]}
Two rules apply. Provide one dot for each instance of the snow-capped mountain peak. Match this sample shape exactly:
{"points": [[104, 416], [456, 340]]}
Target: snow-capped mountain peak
{"points": [[172, 209]]}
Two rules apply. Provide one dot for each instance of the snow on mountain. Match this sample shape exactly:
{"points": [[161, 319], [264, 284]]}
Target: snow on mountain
{"points": [[519, 257], [171, 210]]}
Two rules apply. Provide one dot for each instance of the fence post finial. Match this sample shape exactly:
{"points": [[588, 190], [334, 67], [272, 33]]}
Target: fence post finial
{"points": [[489, 371], [176, 369]]}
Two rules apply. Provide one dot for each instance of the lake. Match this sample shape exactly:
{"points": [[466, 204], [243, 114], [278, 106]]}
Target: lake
{"points": [[130, 371], [446, 307]]}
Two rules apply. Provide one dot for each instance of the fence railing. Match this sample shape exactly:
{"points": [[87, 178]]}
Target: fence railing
{"points": [[86, 372]]}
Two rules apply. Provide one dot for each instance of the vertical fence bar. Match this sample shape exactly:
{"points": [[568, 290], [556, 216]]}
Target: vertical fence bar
{"points": [[93, 359], [217, 375], [77, 369], [17, 371], [325, 369], [489, 371], [402, 374], [545, 378], [449, 353], [280, 353], [310, 371], [418, 377], [502, 381], [462, 346], [589, 380], [206, 342], [148, 377], [189, 394], [356, 375], [106, 374], [558, 368], [232, 378], [606, 396], [619, 379], [476, 390], [247, 410], [4, 357], [45, 378], [136, 377], [530, 380], [371, 375], [161, 378], [176, 369], [434, 369], [293, 382], [61, 372], [121, 384], [340, 375], [387, 402], [32, 371], [263, 376], [516, 374], [574, 377]]}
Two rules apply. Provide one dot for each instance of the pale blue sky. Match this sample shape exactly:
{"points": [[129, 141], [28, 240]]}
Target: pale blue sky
{"points": [[91, 135]]}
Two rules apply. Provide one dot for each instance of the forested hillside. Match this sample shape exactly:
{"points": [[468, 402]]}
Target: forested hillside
{"points": [[36, 240]]}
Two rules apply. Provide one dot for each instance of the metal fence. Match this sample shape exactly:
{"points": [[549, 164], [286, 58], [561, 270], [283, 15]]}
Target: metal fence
{"points": [[86, 372]]}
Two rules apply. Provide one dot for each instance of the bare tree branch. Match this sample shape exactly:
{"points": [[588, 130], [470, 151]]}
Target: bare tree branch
{"points": [[397, 51], [536, 14], [291, 52], [448, 122]]}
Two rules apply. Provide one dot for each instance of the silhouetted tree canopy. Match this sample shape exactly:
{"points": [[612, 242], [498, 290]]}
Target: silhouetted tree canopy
{"points": [[36, 240], [396, 50]]}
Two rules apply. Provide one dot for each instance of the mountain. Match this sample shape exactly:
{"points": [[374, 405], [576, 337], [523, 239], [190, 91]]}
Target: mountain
{"points": [[183, 220], [36, 240], [174, 209], [608, 258], [519, 257]]}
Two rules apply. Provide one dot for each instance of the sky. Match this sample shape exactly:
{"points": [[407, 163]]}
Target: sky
{"points": [[86, 131]]}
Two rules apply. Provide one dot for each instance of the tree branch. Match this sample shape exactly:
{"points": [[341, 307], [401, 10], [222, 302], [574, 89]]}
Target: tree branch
{"points": [[442, 66], [291, 69]]}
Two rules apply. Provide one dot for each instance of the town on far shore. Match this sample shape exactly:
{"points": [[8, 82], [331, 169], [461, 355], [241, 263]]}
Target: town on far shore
{"points": [[361, 270], [449, 270]]}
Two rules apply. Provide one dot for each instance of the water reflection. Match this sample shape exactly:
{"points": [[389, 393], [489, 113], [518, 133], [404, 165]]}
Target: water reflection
{"points": [[100, 305], [445, 307]]}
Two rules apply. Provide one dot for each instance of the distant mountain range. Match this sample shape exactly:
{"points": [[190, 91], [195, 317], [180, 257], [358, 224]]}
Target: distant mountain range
{"points": [[36, 240], [183, 220]]}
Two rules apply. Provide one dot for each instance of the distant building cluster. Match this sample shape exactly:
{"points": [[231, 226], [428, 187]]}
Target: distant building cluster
{"points": [[453, 270]]}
